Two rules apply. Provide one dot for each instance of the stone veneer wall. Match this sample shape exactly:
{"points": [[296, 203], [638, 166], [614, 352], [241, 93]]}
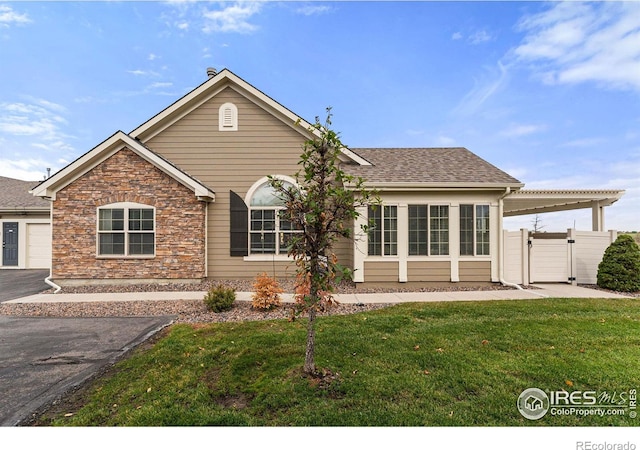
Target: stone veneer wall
{"points": [[126, 177]]}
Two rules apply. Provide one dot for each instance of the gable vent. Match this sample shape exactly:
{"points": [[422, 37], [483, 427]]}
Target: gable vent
{"points": [[228, 117]]}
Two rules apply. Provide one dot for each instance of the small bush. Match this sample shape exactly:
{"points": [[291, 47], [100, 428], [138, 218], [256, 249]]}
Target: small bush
{"points": [[220, 298], [619, 269], [267, 292]]}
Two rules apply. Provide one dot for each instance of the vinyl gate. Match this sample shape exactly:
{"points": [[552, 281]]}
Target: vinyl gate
{"points": [[570, 257]]}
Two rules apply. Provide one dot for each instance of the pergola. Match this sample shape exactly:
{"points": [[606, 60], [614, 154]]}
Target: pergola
{"points": [[524, 202]]}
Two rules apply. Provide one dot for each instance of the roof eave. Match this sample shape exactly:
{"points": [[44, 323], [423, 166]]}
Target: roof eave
{"points": [[118, 141], [431, 186]]}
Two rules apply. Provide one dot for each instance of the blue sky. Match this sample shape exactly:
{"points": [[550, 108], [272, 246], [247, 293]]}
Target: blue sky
{"points": [[549, 92]]}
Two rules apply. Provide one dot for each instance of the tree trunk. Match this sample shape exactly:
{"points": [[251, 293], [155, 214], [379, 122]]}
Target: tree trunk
{"points": [[309, 356]]}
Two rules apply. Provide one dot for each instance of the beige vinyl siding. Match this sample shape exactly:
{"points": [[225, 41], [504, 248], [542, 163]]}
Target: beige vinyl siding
{"points": [[381, 271], [232, 160], [429, 271], [475, 271]]}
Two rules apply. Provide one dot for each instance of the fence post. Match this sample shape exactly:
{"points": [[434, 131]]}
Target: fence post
{"points": [[572, 257], [524, 254]]}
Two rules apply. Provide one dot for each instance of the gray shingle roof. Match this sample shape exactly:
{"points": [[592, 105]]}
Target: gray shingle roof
{"points": [[14, 195], [427, 166]]}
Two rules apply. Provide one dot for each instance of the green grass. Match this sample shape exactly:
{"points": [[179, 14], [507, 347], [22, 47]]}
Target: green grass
{"points": [[479, 358]]}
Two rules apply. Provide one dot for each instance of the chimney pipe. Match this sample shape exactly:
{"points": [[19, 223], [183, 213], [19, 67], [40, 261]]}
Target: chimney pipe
{"points": [[211, 72]]}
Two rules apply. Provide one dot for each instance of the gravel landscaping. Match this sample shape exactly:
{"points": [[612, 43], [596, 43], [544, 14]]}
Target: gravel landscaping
{"points": [[186, 311], [194, 311]]}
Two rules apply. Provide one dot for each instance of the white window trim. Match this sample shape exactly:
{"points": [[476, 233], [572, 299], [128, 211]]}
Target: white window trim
{"points": [[476, 256], [429, 256], [232, 124], [384, 257], [278, 256], [126, 206]]}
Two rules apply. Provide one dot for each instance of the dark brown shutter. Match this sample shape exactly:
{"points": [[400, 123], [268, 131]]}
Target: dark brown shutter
{"points": [[239, 225]]}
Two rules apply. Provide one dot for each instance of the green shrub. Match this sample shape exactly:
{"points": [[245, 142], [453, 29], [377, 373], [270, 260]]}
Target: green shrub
{"points": [[619, 269], [220, 298]]}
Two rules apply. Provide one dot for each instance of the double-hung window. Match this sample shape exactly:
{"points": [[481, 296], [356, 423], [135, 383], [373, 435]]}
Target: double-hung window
{"points": [[269, 230], [126, 229], [474, 230], [383, 230], [428, 230]]}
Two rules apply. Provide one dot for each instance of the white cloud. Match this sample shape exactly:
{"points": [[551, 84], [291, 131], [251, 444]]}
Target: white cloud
{"points": [[231, 19], [445, 141], [152, 57], [32, 169], [519, 130], [34, 124], [311, 10], [574, 42], [480, 37], [585, 142], [143, 73], [483, 90], [22, 119], [9, 17], [160, 85], [456, 36]]}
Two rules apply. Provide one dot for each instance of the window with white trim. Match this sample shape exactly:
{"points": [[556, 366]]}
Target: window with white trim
{"points": [[428, 230], [474, 230], [126, 229], [228, 117], [269, 230], [383, 230]]}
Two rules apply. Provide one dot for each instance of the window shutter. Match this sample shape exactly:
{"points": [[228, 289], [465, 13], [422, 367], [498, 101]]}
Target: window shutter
{"points": [[239, 226]]}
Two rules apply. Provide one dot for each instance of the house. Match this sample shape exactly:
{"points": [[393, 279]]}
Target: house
{"points": [[25, 226], [185, 196]]}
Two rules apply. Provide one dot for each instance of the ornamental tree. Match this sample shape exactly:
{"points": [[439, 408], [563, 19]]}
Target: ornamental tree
{"points": [[323, 206]]}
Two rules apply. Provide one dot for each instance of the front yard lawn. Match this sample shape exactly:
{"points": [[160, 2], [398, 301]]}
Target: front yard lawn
{"points": [[429, 364]]}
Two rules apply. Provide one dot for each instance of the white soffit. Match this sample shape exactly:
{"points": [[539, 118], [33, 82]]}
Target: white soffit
{"points": [[525, 202]]}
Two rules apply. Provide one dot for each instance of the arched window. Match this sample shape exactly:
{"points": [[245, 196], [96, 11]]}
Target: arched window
{"points": [[269, 231]]}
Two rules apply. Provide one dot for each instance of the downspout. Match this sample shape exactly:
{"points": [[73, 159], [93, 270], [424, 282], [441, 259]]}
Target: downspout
{"points": [[501, 243], [48, 279], [52, 284]]}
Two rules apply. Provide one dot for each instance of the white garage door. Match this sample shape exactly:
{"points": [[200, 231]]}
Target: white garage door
{"points": [[38, 246]]}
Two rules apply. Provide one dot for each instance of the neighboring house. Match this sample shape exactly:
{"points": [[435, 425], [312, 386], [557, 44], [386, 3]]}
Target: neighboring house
{"points": [[24, 226], [185, 196]]}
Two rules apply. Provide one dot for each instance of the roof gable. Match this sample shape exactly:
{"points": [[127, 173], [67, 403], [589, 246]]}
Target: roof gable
{"points": [[429, 167], [209, 89], [103, 151]]}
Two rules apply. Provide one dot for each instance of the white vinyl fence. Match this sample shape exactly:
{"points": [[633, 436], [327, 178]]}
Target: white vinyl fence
{"points": [[570, 257]]}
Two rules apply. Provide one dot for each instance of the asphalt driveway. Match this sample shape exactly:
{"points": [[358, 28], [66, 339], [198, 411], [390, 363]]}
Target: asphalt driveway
{"points": [[20, 283], [43, 358]]}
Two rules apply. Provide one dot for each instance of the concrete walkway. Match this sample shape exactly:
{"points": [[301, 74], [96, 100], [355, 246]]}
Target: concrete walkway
{"points": [[543, 291]]}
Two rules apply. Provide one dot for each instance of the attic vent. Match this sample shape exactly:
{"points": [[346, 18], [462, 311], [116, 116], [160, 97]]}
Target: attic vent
{"points": [[228, 117]]}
